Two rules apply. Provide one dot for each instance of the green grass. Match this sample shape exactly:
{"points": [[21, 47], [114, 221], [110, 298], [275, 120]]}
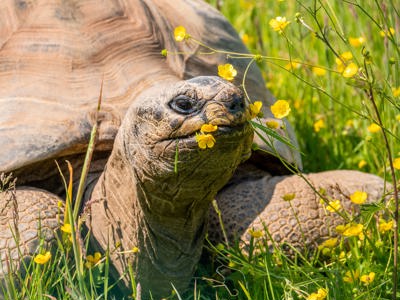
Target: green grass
{"points": [[346, 108]]}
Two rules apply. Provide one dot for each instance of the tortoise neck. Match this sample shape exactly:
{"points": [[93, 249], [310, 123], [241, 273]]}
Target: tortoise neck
{"points": [[168, 247]]}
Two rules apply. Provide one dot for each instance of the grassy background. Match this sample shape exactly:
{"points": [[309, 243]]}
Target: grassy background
{"points": [[344, 108], [342, 143]]}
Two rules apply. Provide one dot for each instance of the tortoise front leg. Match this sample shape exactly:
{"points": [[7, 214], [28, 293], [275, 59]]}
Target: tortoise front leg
{"points": [[27, 217], [287, 206]]}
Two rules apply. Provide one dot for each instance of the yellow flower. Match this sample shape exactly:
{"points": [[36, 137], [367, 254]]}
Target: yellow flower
{"points": [[208, 128], [41, 259], [319, 71], [319, 295], [289, 196], [368, 278], [279, 24], [319, 125], [91, 260], [256, 233], [357, 42], [135, 249], [334, 206], [292, 65], [350, 123], [273, 124], [205, 140], [227, 71], [280, 109], [346, 55], [384, 33], [350, 70], [396, 163], [247, 39], [255, 109], [66, 228], [362, 163], [329, 243], [298, 103], [358, 197], [342, 61], [396, 91], [351, 276], [341, 228], [180, 34], [374, 128], [385, 226], [353, 230]]}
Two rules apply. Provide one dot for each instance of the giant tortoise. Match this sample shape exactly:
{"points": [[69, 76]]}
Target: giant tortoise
{"points": [[150, 185]]}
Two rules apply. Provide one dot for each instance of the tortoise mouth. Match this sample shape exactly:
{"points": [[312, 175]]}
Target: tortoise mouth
{"points": [[226, 136]]}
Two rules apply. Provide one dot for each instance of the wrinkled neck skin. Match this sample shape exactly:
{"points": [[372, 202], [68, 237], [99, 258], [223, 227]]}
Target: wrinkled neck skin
{"points": [[140, 201]]}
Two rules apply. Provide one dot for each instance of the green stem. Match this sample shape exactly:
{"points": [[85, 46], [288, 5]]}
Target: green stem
{"points": [[371, 97]]}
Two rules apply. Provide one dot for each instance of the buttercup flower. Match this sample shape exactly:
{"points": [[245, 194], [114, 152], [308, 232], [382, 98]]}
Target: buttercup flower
{"points": [[357, 42], [256, 233], [205, 141], [318, 71], [334, 206], [368, 278], [350, 70], [329, 243], [273, 124], [135, 249], [292, 65], [396, 91], [66, 228], [384, 33], [374, 128], [396, 163], [358, 197], [343, 60], [91, 260], [180, 34], [319, 125], [362, 163], [341, 228], [280, 109], [353, 230], [227, 71], [351, 276], [41, 259], [255, 109], [319, 295], [208, 128], [279, 24], [289, 196], [385, 226]]}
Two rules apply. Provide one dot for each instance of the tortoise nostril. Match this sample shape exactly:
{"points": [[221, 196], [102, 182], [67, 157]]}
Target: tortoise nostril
{"points": [[237, 104]]}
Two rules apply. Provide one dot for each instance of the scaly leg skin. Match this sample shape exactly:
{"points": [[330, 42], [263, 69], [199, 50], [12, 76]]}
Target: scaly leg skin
{"points": [[23, 213], [255, 199]]}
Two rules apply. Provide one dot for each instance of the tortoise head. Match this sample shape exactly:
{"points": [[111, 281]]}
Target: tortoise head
{"points": [[160, 142]]}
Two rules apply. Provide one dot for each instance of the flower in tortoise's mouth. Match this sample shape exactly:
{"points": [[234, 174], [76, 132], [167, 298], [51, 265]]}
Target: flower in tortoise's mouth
{"points": [[224, 137]]}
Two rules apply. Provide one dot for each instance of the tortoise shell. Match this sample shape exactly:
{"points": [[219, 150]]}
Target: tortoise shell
{"points": [[54, 55]]}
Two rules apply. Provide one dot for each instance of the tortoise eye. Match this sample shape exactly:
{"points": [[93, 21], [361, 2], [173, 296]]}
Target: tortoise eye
{"points": [[183, 104]]}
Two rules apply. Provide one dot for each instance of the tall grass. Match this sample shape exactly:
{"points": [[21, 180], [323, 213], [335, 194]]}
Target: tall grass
{"points": [[331, 115]]}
